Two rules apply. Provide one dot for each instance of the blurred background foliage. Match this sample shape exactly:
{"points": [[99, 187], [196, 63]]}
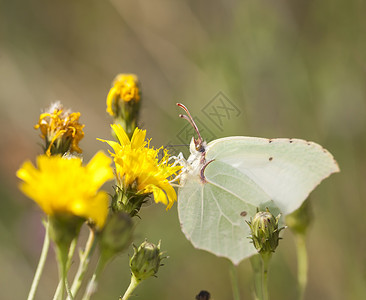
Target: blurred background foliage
{"points": [[291, 68]]}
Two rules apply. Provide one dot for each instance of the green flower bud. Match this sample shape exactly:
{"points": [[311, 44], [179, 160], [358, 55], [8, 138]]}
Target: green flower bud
{"points": [[300, 219], [146, 260], [116, 235], [128, 200], [265, 232]]}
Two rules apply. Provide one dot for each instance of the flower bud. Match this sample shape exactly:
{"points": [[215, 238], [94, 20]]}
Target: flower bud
{"points": [[128, 200], [123, 101], [265, 232], [146, 260], [116, 235]]}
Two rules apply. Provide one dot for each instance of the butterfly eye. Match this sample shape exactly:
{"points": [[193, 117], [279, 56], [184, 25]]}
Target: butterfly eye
{"points": [[199, 146]]}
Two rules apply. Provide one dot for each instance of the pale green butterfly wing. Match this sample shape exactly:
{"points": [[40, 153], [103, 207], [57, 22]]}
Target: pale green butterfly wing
{"points": [[213, 214], [287, 170], [246, 173]]}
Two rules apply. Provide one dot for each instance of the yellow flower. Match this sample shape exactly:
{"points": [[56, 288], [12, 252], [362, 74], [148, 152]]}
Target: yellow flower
{"points": [[125, 88], [138, 166], [63, 186], [61, 130]]}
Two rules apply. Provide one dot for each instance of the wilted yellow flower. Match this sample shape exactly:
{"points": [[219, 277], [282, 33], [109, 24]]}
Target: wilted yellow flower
{"points": [[138, 166], [63, 186], [125, 88], [60, 129]]}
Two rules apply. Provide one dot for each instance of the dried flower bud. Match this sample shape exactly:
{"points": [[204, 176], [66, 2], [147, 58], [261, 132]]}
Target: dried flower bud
{"points": [[265, 232], [146, 260], [60, 129]]}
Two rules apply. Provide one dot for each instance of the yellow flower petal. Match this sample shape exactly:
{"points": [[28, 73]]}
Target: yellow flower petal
{"points": [[121, 134], [138, 138], [62, 185], [138, 165]]}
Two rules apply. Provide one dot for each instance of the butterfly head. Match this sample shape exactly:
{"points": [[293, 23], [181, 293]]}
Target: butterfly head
{"points": [[197, 147]]}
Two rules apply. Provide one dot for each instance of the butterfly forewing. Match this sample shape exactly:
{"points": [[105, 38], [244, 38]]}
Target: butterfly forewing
{"points": [[286, 170]]}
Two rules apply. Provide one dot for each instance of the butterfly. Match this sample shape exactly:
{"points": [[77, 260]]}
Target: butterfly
{"points": [[223, 182]]}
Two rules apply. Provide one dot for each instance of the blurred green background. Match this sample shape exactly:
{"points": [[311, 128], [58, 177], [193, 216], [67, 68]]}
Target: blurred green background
{"points": [[290, 68]]}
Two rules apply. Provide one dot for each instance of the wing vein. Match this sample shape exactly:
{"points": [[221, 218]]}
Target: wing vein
{"points": [[226, 190]]}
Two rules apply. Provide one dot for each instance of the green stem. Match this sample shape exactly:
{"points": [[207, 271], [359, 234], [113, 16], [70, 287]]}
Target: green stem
{"points": [[256, 262], [83, 263], [68, 264], [234, 281], [63, 253], [133, 285], [69, 294], [302, 264], [41, 263], [266, 258], [56, 296], [62, 273], [93, 283]]}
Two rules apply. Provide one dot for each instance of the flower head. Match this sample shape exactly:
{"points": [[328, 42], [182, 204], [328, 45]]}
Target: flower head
{"points": [[62, 186], [138, 166], [125, 88], [60, 129]]}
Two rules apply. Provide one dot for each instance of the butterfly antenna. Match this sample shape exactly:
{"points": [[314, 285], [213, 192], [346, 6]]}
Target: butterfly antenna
{"points": [[190, 120]]}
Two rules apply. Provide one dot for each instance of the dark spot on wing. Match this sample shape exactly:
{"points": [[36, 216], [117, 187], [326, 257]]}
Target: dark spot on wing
{"points": [[290, 140], [243, 213], [270, 141], [271, 158]]}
